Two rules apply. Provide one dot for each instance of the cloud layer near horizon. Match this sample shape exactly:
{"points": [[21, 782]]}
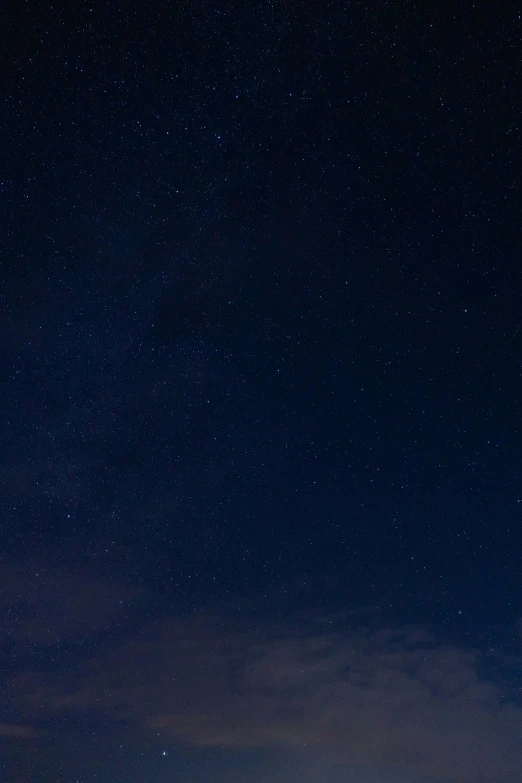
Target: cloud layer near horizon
{"points": [[393, 697]]}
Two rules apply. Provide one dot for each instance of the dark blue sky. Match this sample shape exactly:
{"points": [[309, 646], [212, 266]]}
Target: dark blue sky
{"points": [[260, 326]]}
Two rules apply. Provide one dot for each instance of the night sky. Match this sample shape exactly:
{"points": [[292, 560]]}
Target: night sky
{"points": [[261, 308]]}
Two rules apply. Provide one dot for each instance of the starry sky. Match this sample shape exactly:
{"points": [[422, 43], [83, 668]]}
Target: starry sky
{"points": [[261, 365]]}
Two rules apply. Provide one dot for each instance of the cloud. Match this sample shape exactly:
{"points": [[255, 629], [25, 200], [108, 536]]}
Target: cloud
{"points": [[396, 698], [47, 605], [17, 731]]}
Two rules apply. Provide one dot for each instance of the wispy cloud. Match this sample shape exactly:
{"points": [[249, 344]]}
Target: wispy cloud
{"points": [[47, 605], [17, 731], [394, 697]]}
